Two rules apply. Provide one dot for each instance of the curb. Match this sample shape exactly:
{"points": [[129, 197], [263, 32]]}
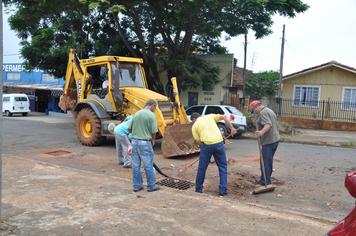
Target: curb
{"points": [[290, 140], [58, 114]]}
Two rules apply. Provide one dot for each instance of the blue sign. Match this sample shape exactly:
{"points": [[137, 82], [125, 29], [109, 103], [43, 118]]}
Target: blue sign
{"points": [[16, 73], [17, 68]]}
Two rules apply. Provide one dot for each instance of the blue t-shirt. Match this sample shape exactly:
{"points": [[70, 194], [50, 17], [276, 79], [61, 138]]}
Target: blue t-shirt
{"points": [[123, 128]]}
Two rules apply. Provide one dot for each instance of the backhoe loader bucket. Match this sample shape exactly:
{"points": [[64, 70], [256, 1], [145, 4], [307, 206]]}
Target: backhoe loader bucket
{"points": [[178, 141]]}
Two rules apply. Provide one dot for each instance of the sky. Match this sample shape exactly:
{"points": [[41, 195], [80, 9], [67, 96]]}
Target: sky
{"points": [[325, 32]]}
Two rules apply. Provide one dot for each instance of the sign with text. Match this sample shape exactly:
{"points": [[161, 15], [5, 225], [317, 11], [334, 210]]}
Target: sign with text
{"points": [[17, 68]]}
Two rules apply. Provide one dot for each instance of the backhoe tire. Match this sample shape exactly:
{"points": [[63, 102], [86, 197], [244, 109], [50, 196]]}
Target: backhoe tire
{"points": [[88, 128]]}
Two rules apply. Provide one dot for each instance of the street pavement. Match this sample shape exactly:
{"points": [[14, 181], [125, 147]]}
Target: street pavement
{"points": [[46, 199], [54, 186]]}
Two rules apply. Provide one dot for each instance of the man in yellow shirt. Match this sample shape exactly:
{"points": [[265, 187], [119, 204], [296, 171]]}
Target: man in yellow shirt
{"points": [[207, 133]]}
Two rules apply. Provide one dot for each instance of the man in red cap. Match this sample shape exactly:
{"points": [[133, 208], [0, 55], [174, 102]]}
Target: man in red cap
{"points": [[267, 131]]}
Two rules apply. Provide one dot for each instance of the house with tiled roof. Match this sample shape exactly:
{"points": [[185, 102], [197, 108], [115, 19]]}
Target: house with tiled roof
{"points": [[327, 91]]}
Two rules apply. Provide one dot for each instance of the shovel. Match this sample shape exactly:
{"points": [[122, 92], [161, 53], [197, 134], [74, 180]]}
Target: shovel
{"points": [[266, 188]]}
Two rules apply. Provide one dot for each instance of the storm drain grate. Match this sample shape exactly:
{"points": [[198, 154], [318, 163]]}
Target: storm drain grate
{"points": [[176, 183], [57, 153]]}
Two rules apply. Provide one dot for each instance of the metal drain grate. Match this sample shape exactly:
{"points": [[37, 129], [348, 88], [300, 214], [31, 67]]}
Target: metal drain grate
{"points": [[176, 183], [57, 153]]}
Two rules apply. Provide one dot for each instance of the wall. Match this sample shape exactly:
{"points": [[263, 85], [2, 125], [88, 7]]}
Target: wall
{"points": [[332, 80], [216, 96], [34, 83], [35, 76], [318, 124]]}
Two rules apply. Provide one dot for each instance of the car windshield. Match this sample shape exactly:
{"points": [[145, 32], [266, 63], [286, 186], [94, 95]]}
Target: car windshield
{"points": [[234, 111], [130, 75], [198, 109]]}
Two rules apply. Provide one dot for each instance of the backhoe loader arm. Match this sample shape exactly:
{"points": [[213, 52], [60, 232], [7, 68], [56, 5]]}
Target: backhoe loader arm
{"points": [[179, 113], [73, 88]]}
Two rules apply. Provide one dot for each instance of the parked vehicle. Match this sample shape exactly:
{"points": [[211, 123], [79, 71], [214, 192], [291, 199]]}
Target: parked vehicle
{"points": [[15, 103], [96, 106], [237, 119], [347, 226]]}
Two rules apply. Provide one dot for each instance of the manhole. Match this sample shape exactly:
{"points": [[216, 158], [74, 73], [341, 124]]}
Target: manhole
{"points": [[57, 153], [176, 183]]}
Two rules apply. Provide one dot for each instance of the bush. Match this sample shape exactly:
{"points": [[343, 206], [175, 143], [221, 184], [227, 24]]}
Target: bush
{"points": [[250, 121]]}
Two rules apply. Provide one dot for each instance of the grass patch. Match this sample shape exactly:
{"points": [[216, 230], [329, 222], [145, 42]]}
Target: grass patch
{"points": [[348, 144]]}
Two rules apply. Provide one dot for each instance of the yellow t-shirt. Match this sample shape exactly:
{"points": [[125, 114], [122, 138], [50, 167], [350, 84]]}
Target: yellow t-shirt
{"points": [[206, 131]]}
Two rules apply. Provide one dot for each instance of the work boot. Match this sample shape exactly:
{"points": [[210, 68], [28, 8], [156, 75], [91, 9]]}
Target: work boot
{"points": [[138, 189], [221, 194], [156, 188]]}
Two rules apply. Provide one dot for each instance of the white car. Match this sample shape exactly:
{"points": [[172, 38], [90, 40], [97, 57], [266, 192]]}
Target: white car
{"points": [[237, 119], [15, 103]]}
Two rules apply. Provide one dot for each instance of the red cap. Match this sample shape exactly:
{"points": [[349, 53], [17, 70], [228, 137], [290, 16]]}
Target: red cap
{"points": [[254, 104]]}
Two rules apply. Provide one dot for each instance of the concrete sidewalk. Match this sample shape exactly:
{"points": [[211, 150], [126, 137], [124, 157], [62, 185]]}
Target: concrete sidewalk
{"points": [[318, 137], [46, 199]]}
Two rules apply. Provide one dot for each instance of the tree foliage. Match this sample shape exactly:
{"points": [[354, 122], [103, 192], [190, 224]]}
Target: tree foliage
{"points": [[167, 34], [262, 84]]}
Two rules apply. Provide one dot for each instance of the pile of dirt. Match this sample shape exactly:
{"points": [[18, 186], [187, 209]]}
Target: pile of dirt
{"points": [[242, 183]]}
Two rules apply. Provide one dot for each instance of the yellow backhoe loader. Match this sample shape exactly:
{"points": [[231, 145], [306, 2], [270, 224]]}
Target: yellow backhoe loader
{"points": [[106, 89]]}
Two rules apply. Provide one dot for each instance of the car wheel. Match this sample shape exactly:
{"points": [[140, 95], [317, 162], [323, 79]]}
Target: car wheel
{"points": [[7, 113], [222, 129], [24, 114]]}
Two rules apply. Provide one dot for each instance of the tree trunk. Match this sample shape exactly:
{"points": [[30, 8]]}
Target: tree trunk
{"points": [[152, 76]]}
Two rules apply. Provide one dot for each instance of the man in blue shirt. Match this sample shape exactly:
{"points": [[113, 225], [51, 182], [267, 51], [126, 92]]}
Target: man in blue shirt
{"points": [[122, 140]]}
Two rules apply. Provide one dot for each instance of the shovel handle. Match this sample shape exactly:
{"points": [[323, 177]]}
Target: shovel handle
{"points": [[261, 161]]}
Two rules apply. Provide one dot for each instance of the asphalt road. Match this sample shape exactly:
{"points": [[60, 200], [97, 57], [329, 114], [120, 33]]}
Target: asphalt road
{"points": [[309, 178]]}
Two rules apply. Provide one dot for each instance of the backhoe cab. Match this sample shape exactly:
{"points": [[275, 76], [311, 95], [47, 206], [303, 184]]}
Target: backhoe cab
{"points": [[106, 89]]}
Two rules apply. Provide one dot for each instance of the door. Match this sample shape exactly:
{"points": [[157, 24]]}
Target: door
{"points": [[5, 103], [192, 99], [42, 99], [32, 99], [21, 103]]}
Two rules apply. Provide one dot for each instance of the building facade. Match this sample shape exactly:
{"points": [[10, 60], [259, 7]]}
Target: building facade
{"points": [[326, 91], [227, 91], [42, 88]]}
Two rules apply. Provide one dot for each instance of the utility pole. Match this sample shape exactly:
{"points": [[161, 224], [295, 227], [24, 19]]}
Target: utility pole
{"points": [[281, 65], [279, 103], [244, 70], [1, 86], [253, 60]]}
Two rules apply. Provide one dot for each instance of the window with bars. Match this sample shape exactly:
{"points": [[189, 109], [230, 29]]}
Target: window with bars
{"points": [[349, 98], [306, 96]]}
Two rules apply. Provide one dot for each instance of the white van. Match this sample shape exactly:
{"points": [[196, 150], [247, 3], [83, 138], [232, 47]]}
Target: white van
{"points": [[15, 103]]}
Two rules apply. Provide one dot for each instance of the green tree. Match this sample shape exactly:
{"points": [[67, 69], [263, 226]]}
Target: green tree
{"points": [[263, 84], [165, 33]]}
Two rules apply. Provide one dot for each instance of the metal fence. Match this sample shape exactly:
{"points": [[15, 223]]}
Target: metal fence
{"points": [[319, 110]]}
